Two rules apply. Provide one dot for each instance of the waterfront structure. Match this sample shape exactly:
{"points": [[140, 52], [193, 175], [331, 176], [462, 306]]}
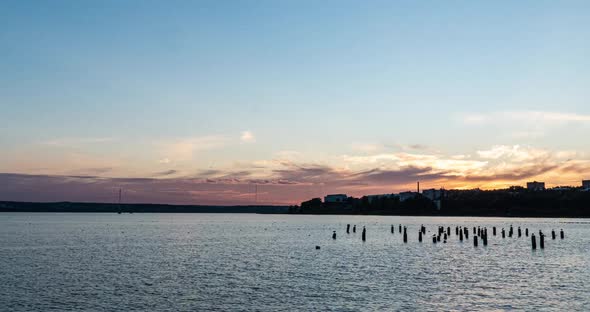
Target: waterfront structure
{"points": [[586, 184], [371, 198], [403, 196], [433, 194], [335, 198], [535, 186]]}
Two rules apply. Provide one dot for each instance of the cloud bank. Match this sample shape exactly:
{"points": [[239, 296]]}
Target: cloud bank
{"points": [[285, 180]]}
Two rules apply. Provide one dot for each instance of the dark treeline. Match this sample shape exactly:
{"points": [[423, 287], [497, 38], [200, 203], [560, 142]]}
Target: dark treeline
{"points": [[140, 208], [501, 203]]}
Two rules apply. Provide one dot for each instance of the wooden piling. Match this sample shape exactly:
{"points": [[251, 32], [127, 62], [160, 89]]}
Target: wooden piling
{"points": [[334, 235], [494, 231], [542, 241], [526, 232], [364, 234], [392, 229], [461, 235], [561, 234], [552, 234], [519, 232], [533, 242], [354, 228], [420, 236], [475, 240], [348, 229]]}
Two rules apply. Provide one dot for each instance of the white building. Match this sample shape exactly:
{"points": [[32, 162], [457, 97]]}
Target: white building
{"points": [[403, 196], [433, 194], [335, 198]]}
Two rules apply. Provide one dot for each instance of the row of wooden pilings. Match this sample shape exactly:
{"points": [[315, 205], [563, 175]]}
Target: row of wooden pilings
{"points": [[462, 232]]}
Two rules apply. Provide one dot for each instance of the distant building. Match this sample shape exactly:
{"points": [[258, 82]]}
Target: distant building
{"points": [[586, 184], [335, 198], [535, 186], [371, 198], [433, 194], [403, 196], [562, 188]]}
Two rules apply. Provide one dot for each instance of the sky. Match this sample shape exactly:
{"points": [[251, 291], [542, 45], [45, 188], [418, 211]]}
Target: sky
{"points": [[209, 102]]}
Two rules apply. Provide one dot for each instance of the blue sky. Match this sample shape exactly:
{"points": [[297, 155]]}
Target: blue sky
{"points": [[253, 88]]}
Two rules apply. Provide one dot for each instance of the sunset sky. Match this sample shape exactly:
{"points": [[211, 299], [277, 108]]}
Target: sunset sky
{"points": [[196, 102]]}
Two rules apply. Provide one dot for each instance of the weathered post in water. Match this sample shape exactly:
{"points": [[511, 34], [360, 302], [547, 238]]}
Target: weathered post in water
{"points": [[448, 231], [526, 232], [519, 232], [348, 229], [405, 235], [561, 234], [456, 230], [420, 236], [533, 241], [400, 228], [542, 240], [334, 235], [466, 233], [434, 239], [503, 233], [475, 240], [461, 235], [494, 231], [552, 234], [392, 229], [354, 228], [485, 238], [364, 234]]}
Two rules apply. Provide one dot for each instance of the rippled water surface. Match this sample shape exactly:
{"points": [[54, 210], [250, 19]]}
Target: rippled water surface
{"points": [[240, 262]]}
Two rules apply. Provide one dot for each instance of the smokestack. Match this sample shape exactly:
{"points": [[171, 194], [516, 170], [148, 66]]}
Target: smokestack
{"points": [[418, 186]]}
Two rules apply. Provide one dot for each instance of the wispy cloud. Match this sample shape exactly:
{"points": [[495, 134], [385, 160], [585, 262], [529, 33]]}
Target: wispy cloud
{"points": [[247, 137], [366, 147], [166, 173], [184, 149], [514, 153], [523, 116], [69, 142]]}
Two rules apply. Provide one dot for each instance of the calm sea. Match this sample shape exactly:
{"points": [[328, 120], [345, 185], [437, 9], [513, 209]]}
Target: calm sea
{"points": [[247, 262]]}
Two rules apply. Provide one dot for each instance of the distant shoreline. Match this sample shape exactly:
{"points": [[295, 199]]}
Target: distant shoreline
{"points": [[83, 207]]}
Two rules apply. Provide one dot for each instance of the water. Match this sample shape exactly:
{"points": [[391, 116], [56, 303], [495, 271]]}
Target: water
{"points": [[245, 262]]}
